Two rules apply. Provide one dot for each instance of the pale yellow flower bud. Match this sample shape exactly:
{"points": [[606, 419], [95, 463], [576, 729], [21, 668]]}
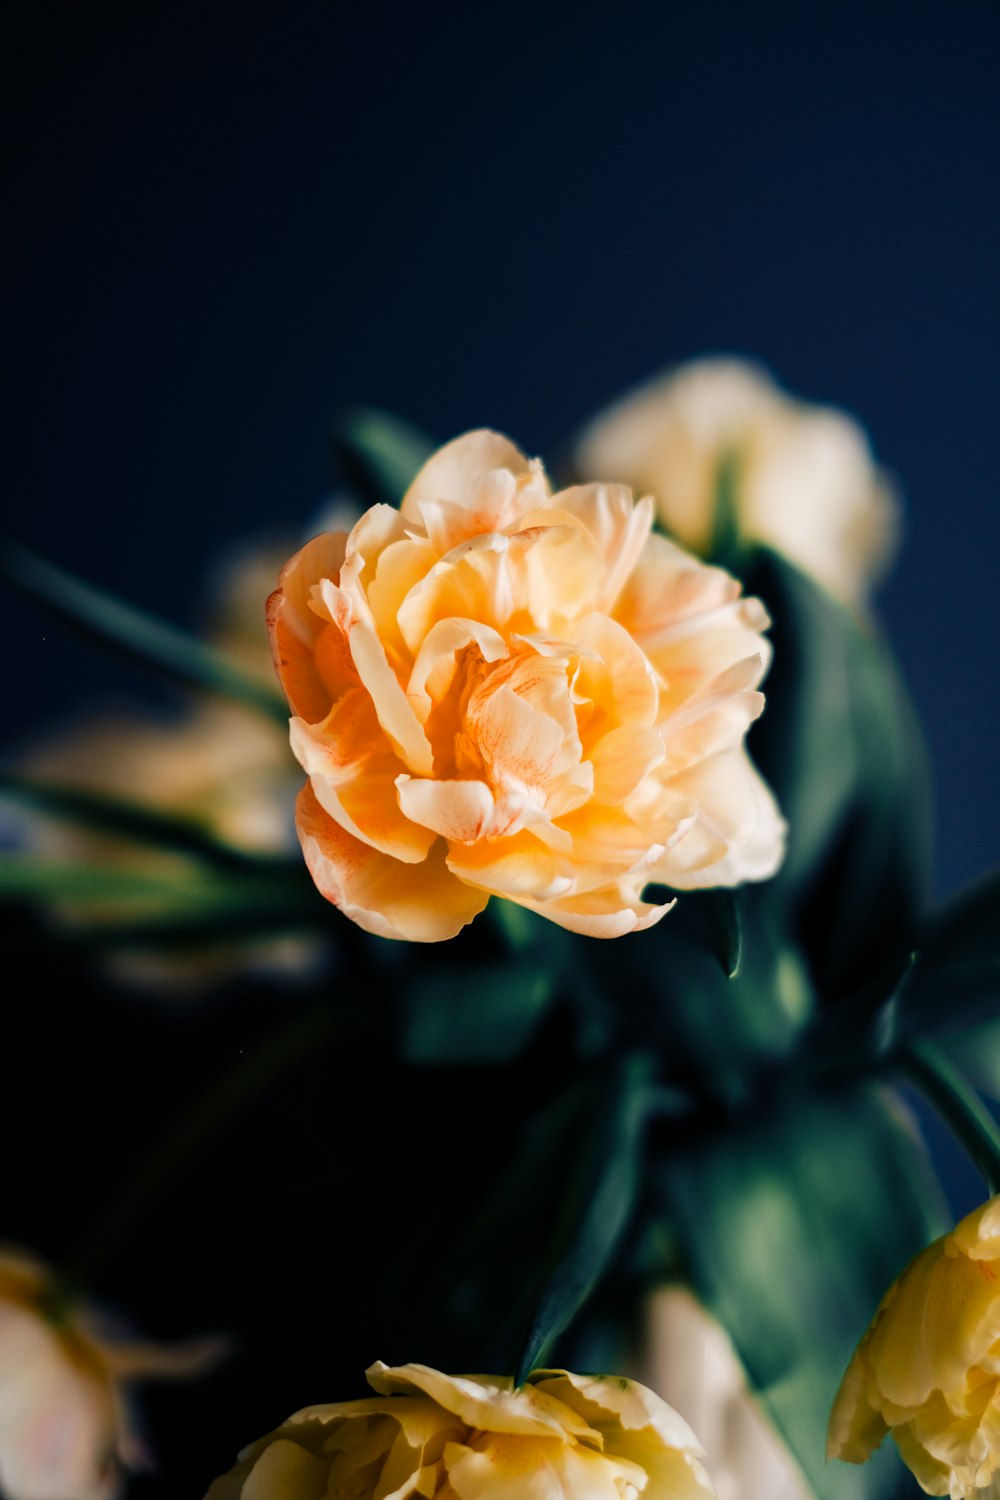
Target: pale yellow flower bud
{"points": [[928, 1367], [478, 1438], [805, 481]]}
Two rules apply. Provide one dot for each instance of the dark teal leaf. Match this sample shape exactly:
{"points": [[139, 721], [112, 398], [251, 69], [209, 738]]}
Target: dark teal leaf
{"points": [[473, 1014], [839, 743], [976, 1050], [593, 1206], [380, 454], [716, 1033], [133, 634], [793, 1223], [726, 540], [726, 923], [522, 1247], [954, 980]]}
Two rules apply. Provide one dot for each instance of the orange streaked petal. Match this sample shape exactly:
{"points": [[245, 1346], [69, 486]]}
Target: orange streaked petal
{"points": [[421, 903]]}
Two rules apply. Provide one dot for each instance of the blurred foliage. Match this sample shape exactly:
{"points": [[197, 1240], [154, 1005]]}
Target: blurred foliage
{"points": [[481, 1157]]}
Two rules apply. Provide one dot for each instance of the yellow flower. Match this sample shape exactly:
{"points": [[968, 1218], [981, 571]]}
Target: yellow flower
{"points": [[928, 1367], [502, 691], [805, 480], [689, 1359], [477, 1438], [65, 1428]]}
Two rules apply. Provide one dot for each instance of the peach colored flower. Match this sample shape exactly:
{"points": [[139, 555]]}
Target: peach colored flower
{"points": [[805, 480], [501, 691], [65, 1428], [927, 1368], [475, 1437]]}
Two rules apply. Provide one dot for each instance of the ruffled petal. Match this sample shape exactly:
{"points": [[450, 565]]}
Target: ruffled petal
{"points": [[294, 628], [944, 1317], [498, 1467], [488, 1403], [285, 1471], [737, 814], [618, 525], [353, 774], [480, 482], [422, 903]]}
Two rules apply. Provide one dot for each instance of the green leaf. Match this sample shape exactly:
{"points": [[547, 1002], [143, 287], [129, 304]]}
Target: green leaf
{"points": [[473, 1014], [954, 981], [37, 878], [525, 1244], [131, 820], [726, 924], [793, 1224], [839, 743], [380, 454], [135, 635], [717, 1033], [593, 1208], [726, 542], [166, 902]]}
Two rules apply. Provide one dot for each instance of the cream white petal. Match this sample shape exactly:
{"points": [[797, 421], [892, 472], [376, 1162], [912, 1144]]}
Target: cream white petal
{"points": [[619, 526], [737, 808], [608, 913], [451, 472], [460, 810]]}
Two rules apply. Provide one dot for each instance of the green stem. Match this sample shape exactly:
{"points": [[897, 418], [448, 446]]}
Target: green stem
{"points": [[156, 1173], [958, 1105]]}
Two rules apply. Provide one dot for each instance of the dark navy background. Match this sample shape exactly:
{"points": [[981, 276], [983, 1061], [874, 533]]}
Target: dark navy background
{"points": [[224, 224]]}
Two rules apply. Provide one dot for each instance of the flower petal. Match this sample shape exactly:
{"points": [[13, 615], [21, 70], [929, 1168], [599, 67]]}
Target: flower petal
{"points": [[422, 903], [294, 629], [489, 1403]]}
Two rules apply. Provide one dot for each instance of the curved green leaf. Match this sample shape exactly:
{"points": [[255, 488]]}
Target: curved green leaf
{"points": [[380, 454], [135, 635]]}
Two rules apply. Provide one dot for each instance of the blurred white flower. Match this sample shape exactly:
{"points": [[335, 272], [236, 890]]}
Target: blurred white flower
{"points": [[805, 480], [688, 1359], [66, 1431]]}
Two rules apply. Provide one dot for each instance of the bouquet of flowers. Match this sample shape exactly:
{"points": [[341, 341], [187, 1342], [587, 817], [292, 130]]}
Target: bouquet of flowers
{"points": [[348, 1102]]}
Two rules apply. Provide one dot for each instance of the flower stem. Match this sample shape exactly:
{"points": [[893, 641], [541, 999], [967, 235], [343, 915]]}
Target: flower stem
{"points": [[958, 1105]]}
